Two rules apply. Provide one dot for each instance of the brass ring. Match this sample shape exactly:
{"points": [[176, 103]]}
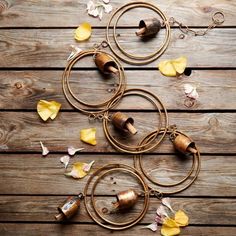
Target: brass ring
{"points": [[218, 18], [195, 168], [138, 60], [152, 143], [77, 102], [110, 168]]}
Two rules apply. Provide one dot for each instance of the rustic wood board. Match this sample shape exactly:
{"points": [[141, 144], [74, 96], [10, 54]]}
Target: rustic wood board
{"points": [[22, 89], [70, 13], [50, 47], [34, 41]]}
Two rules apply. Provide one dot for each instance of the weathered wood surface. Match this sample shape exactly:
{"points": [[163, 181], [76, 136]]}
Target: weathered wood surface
{"points": [[50, 47], [7, 229], [70, 13], [22, 89], [43, 208], [33, 174], [22, 131]]}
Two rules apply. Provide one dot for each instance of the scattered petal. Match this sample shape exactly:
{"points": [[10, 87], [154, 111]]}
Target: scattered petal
{"points": [[100, 12], [159, 219], [87, 167], [88, 136], [65, 160], [191, 91], [169, 231], [166, 202], [107, 8], [161, 211], [47, 109], [106, 1], [90, 5], [77, 171], [170, 222], [72, 150], [181, 218], [83, 32], [153, 226], [45, 150], [75, 52], [173, 67]]}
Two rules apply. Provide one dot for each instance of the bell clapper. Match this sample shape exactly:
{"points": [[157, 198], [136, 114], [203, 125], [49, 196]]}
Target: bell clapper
{"points": [[131, 128], [192, 150], [140, 31], [112, 69]]}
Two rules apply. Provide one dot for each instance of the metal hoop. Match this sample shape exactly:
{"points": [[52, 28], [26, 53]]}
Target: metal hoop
{"points": [[75, 101], [138, 60], [195, 166], [111, 168], [146, 146]]}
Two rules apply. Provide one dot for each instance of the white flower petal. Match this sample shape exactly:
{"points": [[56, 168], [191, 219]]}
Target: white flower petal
{"points": [[72, 150], [75, 51], [191, 91], [107, 8], [188, 88], [100, 12], [65, 160], [90, 6], [161, 211], [153, 226], [87, 167], [166, 202], [93, 12], [45, 150], [106, 1]]}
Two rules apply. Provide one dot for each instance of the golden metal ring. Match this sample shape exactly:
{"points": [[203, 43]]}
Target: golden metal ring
{"points": [[79, 103], [137, 59], [163, 124], [194, 169], [108, 168]]}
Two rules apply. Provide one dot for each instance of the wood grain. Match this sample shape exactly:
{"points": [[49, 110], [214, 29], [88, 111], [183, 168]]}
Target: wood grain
{"points": [[43, 208], [20, 131], [70, 13], [94, 230], [32, 174], [23, 89], [50, 47]]}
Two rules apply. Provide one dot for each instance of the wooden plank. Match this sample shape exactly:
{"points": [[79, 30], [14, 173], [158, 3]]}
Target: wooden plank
{"points": [[43, 208], [32, 174], [22, 89], [22, 131], [50, 47], [70, 13], [88, 229]]}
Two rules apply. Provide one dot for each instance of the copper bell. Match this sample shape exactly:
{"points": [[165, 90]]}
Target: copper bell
{"points": [[68, 208], [148, 27], [184, 144], [105, 63], [126, 199], [123, 122]]}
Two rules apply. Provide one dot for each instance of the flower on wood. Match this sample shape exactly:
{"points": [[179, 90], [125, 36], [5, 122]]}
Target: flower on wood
{"points": [[88, 136], [47, 109], [83, 32], [71, 150], [45, 150], [65, 160]]}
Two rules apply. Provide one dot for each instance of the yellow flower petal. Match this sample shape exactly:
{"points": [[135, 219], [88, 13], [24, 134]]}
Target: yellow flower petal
{"points": [[83, 32], [169, 231], [77, 171], [180, 64], [181, 218], [173, 67], [88, 136], [166, 68], [47, 109], [170, 222]]}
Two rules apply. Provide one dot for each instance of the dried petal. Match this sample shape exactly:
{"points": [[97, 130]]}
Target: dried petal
{"points": [[90, 5], [77, 171], [65, 160], [88, 136], [45, 150], [106, 1], [83, 32], [87, 167], [75, 52], [173, 67], [169, 231], [161, 211], [191, 91], [158, 219], [47, 109], [153, 226], [166, 202], [107, 8], [72, 150], [100, 12], [170, 222], [181, 218]]}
